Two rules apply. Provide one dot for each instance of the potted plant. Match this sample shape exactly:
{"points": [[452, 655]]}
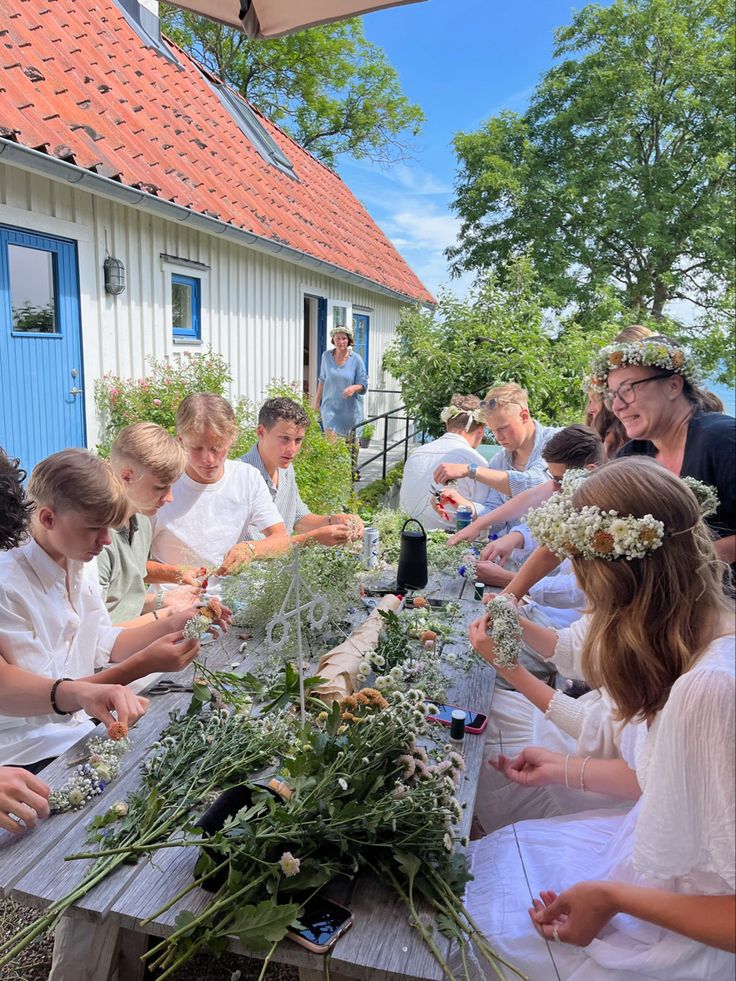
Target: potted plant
{"points": [[366, 434]]}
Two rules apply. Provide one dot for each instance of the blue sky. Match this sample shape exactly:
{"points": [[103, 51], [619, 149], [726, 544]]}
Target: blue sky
{"points": [[461, 61]]}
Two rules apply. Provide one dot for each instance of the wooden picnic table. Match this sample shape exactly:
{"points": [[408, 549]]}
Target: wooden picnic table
{"points": [[380, 946]]}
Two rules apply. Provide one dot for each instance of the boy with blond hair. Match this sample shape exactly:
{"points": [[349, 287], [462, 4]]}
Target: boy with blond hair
{"points": [[23, 796], [148, 460], [518, 465], [53, 621], [215, 499]]}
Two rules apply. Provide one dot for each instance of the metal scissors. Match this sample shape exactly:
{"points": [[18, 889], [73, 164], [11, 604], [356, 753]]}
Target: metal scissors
{"points": [[168, 685]]}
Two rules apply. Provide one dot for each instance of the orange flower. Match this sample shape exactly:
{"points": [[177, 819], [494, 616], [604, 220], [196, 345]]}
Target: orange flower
{"points": [[678, 359], [603, 542], [419, 601], [616, 359], [426, 635], [648, 535], [117, 731]]}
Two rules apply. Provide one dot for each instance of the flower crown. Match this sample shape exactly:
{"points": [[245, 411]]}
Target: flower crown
{"points": [[591, 533], [652, 352], [706, 495], [474, 415]]}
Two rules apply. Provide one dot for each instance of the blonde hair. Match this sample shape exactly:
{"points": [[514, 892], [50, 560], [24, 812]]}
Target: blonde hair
{"points": [[509, 392], [77, 480], [632, 333], [651, 618], [148, 446], [204, 411]]}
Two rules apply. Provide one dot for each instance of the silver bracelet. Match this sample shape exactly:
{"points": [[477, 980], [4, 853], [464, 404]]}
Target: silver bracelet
{"points": [[582, 773]]}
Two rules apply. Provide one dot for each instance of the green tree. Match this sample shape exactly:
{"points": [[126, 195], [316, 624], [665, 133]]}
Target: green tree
{"points": [[621, 171], [328, 87], [500, 332]]}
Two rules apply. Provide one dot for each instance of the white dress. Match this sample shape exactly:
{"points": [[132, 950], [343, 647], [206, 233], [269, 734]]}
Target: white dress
{"points": [[582, 726], [679, 836]]}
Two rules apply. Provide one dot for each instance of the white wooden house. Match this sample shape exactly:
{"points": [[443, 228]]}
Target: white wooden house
{"points": [[115, 145]]}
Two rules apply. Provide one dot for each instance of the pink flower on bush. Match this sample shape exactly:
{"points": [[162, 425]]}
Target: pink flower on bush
{"points": [[157, 401]]}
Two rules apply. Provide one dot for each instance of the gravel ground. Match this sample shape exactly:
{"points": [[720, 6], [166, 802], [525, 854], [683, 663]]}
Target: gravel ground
{"points": [[35, 962]]}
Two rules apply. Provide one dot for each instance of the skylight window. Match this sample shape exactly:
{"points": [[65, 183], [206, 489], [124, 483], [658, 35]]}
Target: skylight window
{"points": [[254, 130]]}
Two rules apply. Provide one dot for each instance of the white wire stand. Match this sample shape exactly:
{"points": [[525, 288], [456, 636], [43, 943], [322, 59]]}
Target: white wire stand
{"points": [[317, 609]]}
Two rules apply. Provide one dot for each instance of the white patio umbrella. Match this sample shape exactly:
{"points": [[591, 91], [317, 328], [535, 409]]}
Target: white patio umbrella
{"points": [[274, 18]]}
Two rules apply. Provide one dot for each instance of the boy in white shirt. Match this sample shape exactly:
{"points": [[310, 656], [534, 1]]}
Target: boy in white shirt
{"points": [[53, 620], [22, 794], [465, 427], [215, 499]]}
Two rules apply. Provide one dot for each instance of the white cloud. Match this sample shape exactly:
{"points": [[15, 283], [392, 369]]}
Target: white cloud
{"points": [[422, 228]]}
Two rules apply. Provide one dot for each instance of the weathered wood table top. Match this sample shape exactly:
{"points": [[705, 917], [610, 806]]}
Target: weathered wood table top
{"points": [[380, 946]]}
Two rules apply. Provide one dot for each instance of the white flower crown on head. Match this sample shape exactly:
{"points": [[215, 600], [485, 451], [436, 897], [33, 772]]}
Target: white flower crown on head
{"points": [[652, 352], [591, 533], [474, 415]]}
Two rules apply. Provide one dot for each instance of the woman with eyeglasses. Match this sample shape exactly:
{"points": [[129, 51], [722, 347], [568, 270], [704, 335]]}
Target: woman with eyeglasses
{"points": [[651, 388]]}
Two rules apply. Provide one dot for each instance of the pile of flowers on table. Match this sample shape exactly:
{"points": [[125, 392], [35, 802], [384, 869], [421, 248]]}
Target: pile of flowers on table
{"points": [[363, 793]]}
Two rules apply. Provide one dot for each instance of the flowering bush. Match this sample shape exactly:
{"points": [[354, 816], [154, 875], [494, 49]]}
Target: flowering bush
{"points": [[323, 467]]}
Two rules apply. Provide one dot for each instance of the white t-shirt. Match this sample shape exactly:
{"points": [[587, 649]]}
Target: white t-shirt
{"points": [[419, 476], [54, 632], [204, 521]]}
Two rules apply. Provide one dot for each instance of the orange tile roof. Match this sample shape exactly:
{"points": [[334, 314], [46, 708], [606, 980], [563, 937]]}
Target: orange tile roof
{"points": [[77, 83]]}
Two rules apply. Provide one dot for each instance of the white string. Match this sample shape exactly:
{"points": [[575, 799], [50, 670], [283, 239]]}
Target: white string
{"points": [[532, 897]]}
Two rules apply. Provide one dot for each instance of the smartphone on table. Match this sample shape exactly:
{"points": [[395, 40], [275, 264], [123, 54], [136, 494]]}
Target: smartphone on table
{"points": [[323, 922], [475, 722]]}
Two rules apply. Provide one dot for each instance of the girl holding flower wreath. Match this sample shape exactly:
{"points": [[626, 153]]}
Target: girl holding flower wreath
{"points": [[659, 641]]}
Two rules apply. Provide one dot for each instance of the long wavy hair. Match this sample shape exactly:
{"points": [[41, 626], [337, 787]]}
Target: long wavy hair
{"points": [[651, 618]]}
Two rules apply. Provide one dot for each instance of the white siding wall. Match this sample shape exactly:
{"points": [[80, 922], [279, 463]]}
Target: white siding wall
{"points": [[252, 304]]}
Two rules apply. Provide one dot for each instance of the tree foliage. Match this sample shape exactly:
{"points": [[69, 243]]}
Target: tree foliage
{"points": [[328, 87], [500, 333], [621, 171]]}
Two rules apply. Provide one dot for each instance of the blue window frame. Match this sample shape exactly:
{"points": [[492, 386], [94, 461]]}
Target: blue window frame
{"points": [[186, 307], [362, 328]]}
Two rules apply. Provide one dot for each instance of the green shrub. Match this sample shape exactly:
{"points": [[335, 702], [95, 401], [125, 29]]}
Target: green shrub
{"points": [[323, 467], [370, 498]]}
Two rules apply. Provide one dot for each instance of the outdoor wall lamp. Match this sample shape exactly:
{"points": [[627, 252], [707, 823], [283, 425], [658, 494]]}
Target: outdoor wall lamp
{"points": [[114, 276]]}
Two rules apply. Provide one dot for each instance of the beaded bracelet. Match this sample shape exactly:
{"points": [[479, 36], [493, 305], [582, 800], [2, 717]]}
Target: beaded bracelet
{"points": [[52, 697]]}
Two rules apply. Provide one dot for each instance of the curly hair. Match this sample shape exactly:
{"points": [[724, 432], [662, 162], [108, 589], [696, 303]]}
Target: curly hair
{"points": [[282, 409], [15, 508]]}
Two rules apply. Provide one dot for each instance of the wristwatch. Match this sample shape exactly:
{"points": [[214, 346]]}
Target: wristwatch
{"points": [[472, 471]]}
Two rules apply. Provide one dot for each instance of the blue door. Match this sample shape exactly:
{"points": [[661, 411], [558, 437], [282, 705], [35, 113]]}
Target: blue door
{"points": [[41, 381], [361, 329]]}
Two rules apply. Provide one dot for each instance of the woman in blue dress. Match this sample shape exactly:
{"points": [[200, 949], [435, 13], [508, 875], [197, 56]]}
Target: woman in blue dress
{"points": [[343, 381]]}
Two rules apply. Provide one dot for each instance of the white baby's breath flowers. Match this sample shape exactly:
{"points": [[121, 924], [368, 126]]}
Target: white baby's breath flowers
{"points": [[591, 533], [650, 352], [706, 495], [505, 631]]}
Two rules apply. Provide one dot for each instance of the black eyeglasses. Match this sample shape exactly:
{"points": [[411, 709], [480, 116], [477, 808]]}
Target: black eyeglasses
{"points": [[557, 481], [627, 392]]}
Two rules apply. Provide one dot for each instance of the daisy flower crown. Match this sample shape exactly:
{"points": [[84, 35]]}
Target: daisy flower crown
{"points": [[591, 533], [474, 415], [652, 352]]}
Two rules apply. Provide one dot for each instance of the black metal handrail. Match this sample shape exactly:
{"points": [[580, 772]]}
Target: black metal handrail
{"points": [[383, 453]]}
